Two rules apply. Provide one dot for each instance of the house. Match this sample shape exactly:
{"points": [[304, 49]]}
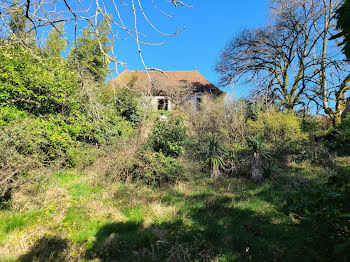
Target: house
{"points": [[169, 88]]}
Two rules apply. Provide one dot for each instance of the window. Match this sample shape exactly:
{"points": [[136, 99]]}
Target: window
{"points": [[163, 104], [198, 103]]}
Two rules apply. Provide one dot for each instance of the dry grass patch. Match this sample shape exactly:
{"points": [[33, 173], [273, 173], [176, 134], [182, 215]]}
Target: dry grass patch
{"points": [[28, 197], [99, 209], [183, 188], [159, 213], [19, 242]]}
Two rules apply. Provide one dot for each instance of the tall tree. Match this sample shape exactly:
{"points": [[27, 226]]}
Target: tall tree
{"points": [[18, 20], [331, 71], [90, 55], [291, 58], [276, 57], [19, 26], [265, 56], [56, 42]]}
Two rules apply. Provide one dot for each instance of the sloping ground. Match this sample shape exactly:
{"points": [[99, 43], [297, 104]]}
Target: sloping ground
{"points": [[74, 217]]}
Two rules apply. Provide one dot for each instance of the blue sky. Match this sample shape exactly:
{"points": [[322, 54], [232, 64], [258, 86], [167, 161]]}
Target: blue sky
{"points": [[209, 25]]}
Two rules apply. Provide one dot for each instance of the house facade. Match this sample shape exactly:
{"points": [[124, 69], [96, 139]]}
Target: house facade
{"points": [[165, 90]]}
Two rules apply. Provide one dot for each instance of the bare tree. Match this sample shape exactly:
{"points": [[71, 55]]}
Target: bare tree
{"points": [[290, 58], [262, 55], [275, 56], [331, 69], [326, 74]]}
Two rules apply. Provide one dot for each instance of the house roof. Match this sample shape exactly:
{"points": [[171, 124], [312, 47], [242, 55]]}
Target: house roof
{"points": [[197, 80]]}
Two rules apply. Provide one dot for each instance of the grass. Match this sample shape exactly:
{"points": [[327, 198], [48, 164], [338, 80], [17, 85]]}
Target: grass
{"points": [[10, 221], [232, 219]]}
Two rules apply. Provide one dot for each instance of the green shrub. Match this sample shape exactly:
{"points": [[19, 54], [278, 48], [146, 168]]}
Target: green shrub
{"points": [[126, 104], [311, 125], [95, 131], [124, 101], [52, 138], [112, 128], [38, 86], [157, 169], [81, 155], [169, 136], [9, 114], [277, 126], [39, 138], [307, 150]]}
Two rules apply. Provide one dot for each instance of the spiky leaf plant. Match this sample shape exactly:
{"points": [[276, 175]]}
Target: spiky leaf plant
{"points": [[214, 155], [259, 151]]}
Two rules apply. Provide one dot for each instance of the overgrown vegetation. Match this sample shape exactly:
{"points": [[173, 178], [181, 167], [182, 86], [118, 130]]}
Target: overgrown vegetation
{"points": [[90, 172]]}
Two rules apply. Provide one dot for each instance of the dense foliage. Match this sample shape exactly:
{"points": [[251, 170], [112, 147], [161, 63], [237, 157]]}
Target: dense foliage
{"points": [[33, 84], [343, 23], [276, 126], [169, 136]]}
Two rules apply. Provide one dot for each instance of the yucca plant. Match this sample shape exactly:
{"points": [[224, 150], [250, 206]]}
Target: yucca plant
{"points": [[214, 154], [259, 151]]}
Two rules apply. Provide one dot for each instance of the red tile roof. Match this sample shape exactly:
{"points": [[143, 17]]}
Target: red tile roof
{"points": [[200, 83]]}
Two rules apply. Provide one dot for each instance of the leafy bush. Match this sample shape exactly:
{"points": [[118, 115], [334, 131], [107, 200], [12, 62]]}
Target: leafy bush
{"points": [[81, 155], [10, 114], [39, 138], [32, 84], [277, 126], [112, 128], [123, 100], [303, 150], [55, 139], [126, 104], [95, 131], [311, 125], [157, 169], [168, 137]]}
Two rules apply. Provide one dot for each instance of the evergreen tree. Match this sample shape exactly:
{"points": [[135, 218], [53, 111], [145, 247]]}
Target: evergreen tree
{"points": [[56, 42], [90, 55], [18, 20]]}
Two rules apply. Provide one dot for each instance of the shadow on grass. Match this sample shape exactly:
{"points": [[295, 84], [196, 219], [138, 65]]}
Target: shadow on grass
{"points": [[209, 228], [47, 249]]}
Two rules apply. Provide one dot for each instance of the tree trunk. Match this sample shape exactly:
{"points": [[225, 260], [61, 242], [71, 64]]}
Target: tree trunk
{"points": [[337, 119], [257, 168], [215, 172]]}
